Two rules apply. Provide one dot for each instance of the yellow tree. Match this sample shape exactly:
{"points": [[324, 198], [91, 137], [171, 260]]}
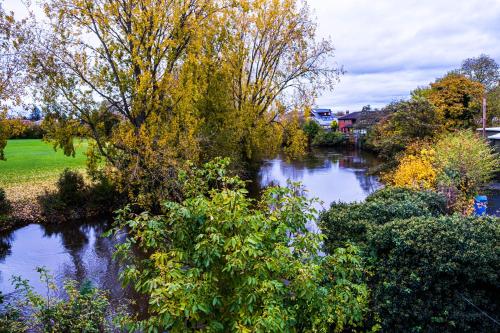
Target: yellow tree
{"points": [[268, 69], [157, 82], [124, 71], [457, 99]]}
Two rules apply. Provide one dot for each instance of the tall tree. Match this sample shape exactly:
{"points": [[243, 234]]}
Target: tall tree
{"points": [[405, 122], [457, 100], [157, 82], [482, 69], [14, 41]]}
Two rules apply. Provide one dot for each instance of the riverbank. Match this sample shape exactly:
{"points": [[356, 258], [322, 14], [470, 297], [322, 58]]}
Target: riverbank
{"points": [[30, 171]]}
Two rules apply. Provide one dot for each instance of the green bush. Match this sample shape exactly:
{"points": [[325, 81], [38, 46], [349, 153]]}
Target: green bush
{"points": [[344, 223], [71, 188], [220, 262], [74, 199], [437, 274], [329, 138], [311, 129], [83, 308], [31, 131]]}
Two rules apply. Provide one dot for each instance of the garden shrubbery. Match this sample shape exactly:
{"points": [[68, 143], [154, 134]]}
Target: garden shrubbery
{"points": [[318, 136], [427, 271], [344, 223], [437, 274], [329, 138]]}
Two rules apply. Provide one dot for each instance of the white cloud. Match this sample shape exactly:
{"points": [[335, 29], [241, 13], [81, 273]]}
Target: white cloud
{"points": [[389, 47]]}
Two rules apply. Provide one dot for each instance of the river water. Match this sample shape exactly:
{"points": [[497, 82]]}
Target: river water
{"points": [[77, 251]]}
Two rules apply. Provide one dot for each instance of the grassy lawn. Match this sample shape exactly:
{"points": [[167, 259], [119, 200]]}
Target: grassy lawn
{"points": [[32, 161]]}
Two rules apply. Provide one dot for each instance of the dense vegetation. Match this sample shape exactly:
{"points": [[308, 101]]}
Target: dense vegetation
{"points": [[457, 164], [81, 308], [74, 198], [166, 86], [428, 271], [217, 261]]}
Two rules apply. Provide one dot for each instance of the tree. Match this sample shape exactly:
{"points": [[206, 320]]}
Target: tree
{"points": [[166, 81], [220, 262], [465, 164], [405, 122], [366, 108], [457, 100], [493, 106], [458, 164], [14, 41], [415, 171], [482, 69]]}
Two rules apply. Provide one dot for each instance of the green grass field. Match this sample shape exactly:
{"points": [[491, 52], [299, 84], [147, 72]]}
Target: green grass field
{"points": [[32, 161]]}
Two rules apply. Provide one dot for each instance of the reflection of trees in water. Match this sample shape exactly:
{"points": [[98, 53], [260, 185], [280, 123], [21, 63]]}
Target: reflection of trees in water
{"points": [[92, 258], [73, 238], [5, 245], [368, 183], [318, 161]]}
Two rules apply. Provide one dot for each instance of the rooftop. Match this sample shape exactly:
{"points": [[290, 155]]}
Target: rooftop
{"points": [[491, 129]]}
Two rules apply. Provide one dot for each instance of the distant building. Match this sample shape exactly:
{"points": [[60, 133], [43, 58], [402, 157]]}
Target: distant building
{"points": [[323, 117], [493, 136], [347, 122]]}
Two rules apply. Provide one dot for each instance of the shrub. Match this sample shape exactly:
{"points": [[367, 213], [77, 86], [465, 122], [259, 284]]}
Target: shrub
{"points": [[437, 274], [30, 131], [84, 308], [466, 163], [71, 187], [311, 128], [220, 262], [344, 223], [329, 138], [74, 199]]}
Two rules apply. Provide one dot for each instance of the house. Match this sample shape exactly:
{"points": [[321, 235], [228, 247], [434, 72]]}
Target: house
{"points": [[347, 122], [493, 135], [323, 117]]}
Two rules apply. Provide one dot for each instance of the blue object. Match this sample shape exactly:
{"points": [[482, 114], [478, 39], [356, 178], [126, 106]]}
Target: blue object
{"points": [[480, 205]]}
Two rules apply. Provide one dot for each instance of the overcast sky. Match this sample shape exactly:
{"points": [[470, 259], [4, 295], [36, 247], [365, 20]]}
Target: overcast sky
{"points": [[390, 47]]}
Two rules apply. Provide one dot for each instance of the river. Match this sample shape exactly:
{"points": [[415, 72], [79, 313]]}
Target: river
{"points": [[78, 252]]}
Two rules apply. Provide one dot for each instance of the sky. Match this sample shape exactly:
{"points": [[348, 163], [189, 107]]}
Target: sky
{"points": [[390, 47]]}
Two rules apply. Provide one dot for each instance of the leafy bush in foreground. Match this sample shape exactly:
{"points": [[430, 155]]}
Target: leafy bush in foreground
{"points": [[344, 223], [83, 308], [219, 262], [437, 274]]}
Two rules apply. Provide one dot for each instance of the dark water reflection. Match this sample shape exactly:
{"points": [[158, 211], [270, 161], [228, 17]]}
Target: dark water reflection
{"points": [[70, 251]]}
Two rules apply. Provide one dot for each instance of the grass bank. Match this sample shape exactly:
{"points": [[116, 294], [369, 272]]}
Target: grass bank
{"points": [[32, 161], [32, 167]]}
